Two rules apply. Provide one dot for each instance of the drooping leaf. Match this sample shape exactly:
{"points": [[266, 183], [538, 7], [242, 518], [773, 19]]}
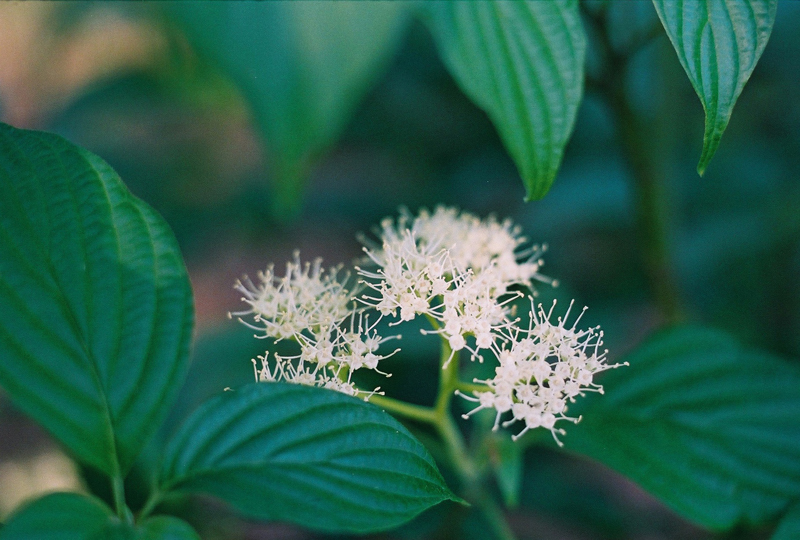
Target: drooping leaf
{"points": [[311, 456], [155, 528], [522, 62], [718, 43], [789, 527], [95, 303], [58, 516], [710, 428], [304, 66]]}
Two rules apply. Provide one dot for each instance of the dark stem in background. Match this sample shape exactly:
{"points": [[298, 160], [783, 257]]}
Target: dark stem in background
{"points": [[639, 147]]}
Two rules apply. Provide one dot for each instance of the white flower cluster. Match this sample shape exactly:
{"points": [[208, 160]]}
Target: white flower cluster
{"points": [[456, 269], [540, 369], [313, 308], [463, 274]]}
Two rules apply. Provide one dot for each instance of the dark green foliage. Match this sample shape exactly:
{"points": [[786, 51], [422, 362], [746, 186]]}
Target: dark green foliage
{"points": [[95, 303], [710, 428], [326, 460]]}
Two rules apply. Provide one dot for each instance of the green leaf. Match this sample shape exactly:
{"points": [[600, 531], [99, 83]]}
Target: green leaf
{"points": [[311, 456], [155, 528], [710, 428], [58, 516], [522, 62], [789, 527], [718, 43], [95, 303], [304, 66]]}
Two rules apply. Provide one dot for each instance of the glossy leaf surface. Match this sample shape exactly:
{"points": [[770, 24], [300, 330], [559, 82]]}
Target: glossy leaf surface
{"points": [[718, 43], [311, 456], [522, 62], [95, 303]]}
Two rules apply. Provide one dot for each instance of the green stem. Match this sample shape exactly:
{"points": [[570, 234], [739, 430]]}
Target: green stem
{"points": [[495, 517], [150, 505], [448, 381], [455, 447], [118, 491], [406, 410]]}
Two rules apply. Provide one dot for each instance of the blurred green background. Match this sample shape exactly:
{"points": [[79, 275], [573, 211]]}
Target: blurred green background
{"points": [[125, 81]]}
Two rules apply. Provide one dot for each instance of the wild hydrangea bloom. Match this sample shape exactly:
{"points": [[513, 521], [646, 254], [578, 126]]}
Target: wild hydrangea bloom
{"points": [[462, 273], [312, 307]]}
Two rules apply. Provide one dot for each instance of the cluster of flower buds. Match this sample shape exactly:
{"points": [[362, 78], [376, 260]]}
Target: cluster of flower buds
{"points": [[463, 274]]}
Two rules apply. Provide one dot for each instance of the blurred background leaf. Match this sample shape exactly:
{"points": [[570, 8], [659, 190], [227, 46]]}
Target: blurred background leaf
{"points": [[789, 526], [304, 66], [154, 528]]}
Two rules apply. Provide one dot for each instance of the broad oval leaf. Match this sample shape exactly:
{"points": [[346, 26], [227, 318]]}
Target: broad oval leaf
{"points": [[58, 516], [311, 456], [95, 303], [718, 43], [155, 528], [304, 66], [710, 428], [522, 62]]}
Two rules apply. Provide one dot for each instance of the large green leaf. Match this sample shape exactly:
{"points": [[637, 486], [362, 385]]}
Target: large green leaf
{"points": [[522, 62], [58, 516], [315, 457], [304, 66], [718, 43], [95, 303], [708, 427]]}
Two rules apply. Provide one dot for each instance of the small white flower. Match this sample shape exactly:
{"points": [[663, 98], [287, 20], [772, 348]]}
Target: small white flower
{"points": [[304, 299], [310, 306], [541, 369]]}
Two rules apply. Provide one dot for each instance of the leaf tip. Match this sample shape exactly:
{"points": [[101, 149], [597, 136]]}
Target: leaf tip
{"points": [[701, 168]]}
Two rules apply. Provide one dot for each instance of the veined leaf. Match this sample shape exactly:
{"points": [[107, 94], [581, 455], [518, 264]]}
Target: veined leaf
{"points": [[710, 428], [58, 516], [95, 303], [522, 62], [304, 66], [311, 456], [718, 43]]}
